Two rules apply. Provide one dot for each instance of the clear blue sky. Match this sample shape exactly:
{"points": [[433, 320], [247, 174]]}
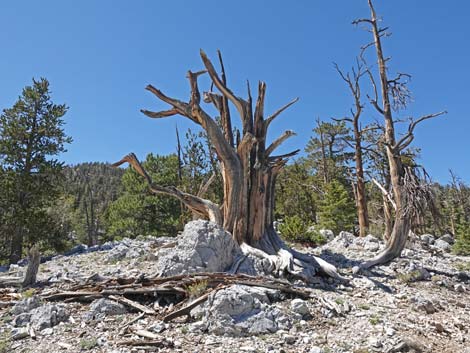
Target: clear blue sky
{"points": [[99, 55]]}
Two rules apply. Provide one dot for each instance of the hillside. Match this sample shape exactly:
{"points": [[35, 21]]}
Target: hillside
{"points": [[419, 303]]}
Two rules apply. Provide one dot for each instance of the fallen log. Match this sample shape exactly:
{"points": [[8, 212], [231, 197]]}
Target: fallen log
{"points": [[185, 310], [133, 304]]}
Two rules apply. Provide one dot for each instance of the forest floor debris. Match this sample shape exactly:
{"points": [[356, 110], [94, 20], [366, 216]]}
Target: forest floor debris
{"points": [[420, 303]]}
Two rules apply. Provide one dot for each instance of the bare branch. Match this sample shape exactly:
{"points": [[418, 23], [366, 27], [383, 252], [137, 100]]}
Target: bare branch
{"points": [[259, 110], [195, 95], [286, 155], [361, 20], [204, 188], [131, 158], [161, 114], [279, 111], [372, 127], [239, 103], [276, 143], [177, 104], [409, 136], [342, 119], [180, 107], [198, 205], [385, 193]]}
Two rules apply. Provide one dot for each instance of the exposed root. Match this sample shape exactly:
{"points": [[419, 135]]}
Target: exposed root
{"points": [[394, 246], [282, 260]]}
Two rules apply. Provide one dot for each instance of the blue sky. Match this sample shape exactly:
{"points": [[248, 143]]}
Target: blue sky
{"points": [[99, 56]]}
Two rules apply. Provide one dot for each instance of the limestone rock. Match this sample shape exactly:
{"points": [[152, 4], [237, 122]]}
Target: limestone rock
{"points": [[327, 233], [25, 305], [42, 317], [18, 333], [443, 245], [103, 307], [447, 238], [203, 247], [299, 306], [241, 311], [117, 253], [344, 239], [428, 239]]}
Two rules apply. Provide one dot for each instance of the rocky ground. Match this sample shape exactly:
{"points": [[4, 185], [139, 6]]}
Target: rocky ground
{"points": [[419, 303]]}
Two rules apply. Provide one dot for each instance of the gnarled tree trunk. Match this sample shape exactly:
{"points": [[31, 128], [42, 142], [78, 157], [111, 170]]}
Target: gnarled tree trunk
{"points": [[249, 170]]}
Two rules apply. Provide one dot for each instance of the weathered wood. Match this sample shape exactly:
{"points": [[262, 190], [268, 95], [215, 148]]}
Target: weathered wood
{"points": [[185, 310], [146, 334], [146, 343], [132, 304], [34, 259]]}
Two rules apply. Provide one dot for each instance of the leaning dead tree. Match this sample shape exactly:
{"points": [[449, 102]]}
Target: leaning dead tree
{"points": [[409, 194], [249, 168]]}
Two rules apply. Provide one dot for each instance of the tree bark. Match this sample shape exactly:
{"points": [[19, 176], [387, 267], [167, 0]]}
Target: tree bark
{"points": [[388, 218]]}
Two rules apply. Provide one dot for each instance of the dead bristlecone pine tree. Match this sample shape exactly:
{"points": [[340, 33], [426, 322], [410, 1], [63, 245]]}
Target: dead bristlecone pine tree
{"points": [[34, 260], [249, 169]]}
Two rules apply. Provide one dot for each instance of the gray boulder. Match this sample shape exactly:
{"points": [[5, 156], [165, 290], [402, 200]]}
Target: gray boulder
{"points": [[202, 247], [135, 252], [343, 240], [370, 243], [18, 333], [106, 307], [373, 247], [25, 306], [241, 311], [423, 304], [416, 272], [299, 306], [21, 319], [42, 317], [47, 316], [443, 245], [428, 239], [77, 249], [327, 233], [369, 238], [117, 253], [448, 239]]}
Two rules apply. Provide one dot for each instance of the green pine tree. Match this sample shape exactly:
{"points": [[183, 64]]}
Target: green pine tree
{"points": [[337, 210], [462, 239], [31, 136], [137, 211]]}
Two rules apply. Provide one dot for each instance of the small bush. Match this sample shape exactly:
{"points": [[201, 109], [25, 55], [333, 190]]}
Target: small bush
{"points": [[463, 266], [197, 289], [339, 301], [28, 293], [374, 320], [462, 242], [296, 229], [409, 277], [5, 344], [88, 343]]}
